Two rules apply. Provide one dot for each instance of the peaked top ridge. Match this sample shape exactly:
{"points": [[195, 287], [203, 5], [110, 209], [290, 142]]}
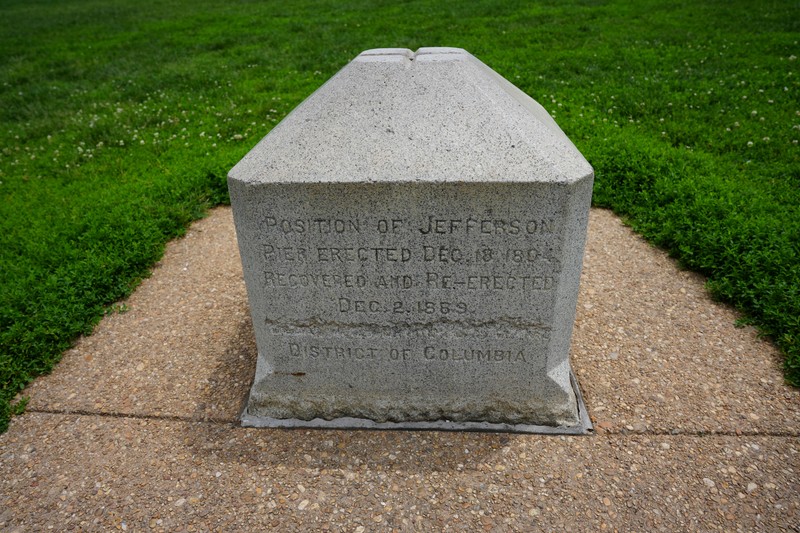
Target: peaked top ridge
{"points": [[435, 115]]}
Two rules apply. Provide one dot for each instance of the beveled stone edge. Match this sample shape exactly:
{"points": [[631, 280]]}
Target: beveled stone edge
{"points": [[584, 427]]}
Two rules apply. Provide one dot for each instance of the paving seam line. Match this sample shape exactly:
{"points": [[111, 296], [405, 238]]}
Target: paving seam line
{"points": [[235, 424]]}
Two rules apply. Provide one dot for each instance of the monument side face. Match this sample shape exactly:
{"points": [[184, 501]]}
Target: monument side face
{"points": [[424, 285]]}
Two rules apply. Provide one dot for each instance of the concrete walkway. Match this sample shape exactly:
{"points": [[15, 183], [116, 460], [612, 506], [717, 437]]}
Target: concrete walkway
{"points": [[137, 427]]}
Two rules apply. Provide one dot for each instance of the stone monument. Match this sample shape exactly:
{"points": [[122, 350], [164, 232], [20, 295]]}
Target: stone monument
{"points": [[412, 238]]}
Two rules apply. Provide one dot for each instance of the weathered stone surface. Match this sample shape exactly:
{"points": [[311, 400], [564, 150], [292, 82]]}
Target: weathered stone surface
{"points": [[412, 238]]}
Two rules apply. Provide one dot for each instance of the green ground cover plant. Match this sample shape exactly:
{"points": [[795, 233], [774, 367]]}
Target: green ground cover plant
{"points": [[119, 121]]}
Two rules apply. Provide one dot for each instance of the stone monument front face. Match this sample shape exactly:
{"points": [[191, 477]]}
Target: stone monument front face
{"points": [[412, 238]]}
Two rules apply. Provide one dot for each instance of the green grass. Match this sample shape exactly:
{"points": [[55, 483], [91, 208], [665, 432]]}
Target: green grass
{"points": [[119, 121]]}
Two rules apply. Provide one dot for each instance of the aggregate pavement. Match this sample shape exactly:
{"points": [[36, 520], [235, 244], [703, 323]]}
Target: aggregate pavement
{"points": [[137, 427]]}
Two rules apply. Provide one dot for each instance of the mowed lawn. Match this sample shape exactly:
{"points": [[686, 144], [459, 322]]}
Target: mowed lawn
{"points": [[120, 119]]}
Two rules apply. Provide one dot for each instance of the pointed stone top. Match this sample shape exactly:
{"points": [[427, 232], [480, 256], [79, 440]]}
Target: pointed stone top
{"points": [[437, 115]]}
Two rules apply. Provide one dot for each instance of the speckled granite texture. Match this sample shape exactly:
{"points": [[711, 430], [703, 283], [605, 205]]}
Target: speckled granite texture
{"points": [[412, 237]]}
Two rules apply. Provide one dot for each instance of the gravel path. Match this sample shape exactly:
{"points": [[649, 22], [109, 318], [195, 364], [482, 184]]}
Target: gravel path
{"points": [[136, 428]]}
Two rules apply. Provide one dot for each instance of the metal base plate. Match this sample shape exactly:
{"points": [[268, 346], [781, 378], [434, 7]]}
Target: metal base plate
{"points": [[583, 428]]}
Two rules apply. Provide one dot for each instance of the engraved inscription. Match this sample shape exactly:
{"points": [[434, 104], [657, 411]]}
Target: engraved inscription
{"points": [[427, 307], [351, 255], [487, 354], [426, 354], [434, 280], [410, 268], [306, 281], [314, 351], [311, 225], [486, 226]]}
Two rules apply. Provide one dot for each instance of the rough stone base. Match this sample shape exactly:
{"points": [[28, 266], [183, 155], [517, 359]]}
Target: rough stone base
{"points": [[583, 428]]}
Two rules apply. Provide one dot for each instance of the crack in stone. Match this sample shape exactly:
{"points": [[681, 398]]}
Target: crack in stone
{"points": [[473, 327]]}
